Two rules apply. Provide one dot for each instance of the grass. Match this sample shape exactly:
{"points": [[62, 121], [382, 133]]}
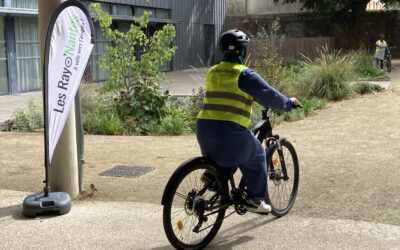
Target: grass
{"points": [[363, 88], [327, 76]]}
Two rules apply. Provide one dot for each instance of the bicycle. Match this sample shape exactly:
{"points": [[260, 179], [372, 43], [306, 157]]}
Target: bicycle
{"points": [[193, 211], [388, 59]]}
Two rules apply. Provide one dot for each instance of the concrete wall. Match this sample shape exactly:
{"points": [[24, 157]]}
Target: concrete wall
{"points": [[263, 7], [236, 7]]}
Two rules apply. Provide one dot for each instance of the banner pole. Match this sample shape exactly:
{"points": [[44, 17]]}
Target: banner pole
{"points": [[63, 173]]}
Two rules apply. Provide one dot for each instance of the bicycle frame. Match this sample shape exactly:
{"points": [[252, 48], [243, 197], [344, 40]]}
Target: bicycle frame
{"points": [[263, 130]]}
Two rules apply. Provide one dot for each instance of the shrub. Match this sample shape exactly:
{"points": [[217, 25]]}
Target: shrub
{"points": [[28, 119], [269, 63], [178, 118], [135, 79], [151, 128], [99, 114], [174, 125], [366, 88], [327, 76], [110, 124], [309, 106], [196, 102], [102, 124], [365, 65]]}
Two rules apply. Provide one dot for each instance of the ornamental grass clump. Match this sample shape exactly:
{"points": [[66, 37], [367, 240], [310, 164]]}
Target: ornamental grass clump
{"points": [[365, 65], [327, 75]]}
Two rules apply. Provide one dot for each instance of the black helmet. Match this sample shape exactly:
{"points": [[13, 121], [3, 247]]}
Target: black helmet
{"points": [[233, 41]]}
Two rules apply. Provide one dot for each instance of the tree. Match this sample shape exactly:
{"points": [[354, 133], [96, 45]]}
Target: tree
{"points": [[356, 9], [134, 77]]}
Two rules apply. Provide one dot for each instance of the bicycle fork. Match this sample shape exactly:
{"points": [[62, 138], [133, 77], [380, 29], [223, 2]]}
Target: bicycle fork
{"points": [[275, 140]]}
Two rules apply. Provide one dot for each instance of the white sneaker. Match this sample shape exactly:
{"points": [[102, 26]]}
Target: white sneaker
{"points": [[258, 206]]}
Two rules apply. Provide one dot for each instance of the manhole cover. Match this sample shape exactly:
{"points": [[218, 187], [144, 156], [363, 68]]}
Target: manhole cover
{"points": [[126, 171]]}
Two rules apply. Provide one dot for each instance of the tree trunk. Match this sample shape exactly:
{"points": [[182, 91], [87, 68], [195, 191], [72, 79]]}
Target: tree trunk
{"points": [[358, 25]]}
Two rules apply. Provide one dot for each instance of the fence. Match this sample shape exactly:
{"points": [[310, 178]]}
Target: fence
{"points": [[293, 48]]}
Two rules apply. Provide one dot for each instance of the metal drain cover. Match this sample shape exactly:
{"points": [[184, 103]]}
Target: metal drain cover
{"points": [[126, 171]]}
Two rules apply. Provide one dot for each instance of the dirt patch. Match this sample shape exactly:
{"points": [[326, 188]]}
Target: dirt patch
{"points": [[349, 158]]}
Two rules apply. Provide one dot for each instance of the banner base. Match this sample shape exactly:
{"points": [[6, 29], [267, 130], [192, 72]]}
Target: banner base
{"points": [[55, 203]]}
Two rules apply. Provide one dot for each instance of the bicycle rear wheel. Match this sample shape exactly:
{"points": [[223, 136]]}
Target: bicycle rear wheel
{"points": [[186, 204], [282, 190]]}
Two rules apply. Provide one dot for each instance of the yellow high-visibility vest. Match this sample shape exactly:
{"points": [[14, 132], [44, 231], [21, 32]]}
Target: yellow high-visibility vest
{"points": [[380, 45], [223, 99]]}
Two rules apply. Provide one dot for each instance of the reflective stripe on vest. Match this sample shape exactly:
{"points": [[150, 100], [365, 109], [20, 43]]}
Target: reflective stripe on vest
{"points": [[223, 99]]}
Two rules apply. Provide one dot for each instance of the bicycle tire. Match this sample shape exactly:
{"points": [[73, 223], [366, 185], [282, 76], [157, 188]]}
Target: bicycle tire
{"points": [[389, 66], [276, 210], [176, 180]]}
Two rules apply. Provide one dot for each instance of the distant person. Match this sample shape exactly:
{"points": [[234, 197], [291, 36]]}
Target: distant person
{"points": [[380, 51]]}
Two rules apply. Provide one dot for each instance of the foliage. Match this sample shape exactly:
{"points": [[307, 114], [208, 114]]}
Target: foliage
{"points": [[134, 77], [102, 124], [178, 119], [363, 88], [327, 76], [270, 64], [28, 119], [174, 125], [309, 107], [365, 65], [196, 101], [99, 115]]}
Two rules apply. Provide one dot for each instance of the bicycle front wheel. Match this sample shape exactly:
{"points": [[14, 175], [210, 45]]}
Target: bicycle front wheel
{"points": [[389, 65], [192, 213], [283, 178]]}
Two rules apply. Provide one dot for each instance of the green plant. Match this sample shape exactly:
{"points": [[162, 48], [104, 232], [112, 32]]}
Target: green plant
{"points": [[196, 101], [110, 124], [365, 65], [363, 88], [133, 63], [174, 125], [151, 128], [102, 124], [309, 106], [269, 63], [327, 76], [28, 119]]}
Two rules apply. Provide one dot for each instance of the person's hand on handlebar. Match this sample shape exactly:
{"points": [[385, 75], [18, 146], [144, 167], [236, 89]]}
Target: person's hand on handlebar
{"points": [[295, 103]]}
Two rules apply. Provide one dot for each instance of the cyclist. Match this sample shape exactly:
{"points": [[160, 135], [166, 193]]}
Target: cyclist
{"points": [[222, 124], [381, 50]]}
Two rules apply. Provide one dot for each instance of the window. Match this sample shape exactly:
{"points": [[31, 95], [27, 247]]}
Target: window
{"points": [[123, 10], [1, 3], [106, 7], [27, 4], [163, 14], [155, 13], [139, 11], [27, 52], [3, 60]]}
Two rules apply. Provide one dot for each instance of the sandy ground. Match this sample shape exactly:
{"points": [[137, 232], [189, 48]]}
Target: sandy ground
{"points": [[348, 152]]}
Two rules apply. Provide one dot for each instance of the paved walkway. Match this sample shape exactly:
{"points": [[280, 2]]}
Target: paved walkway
{"points": [[130, 225]]}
